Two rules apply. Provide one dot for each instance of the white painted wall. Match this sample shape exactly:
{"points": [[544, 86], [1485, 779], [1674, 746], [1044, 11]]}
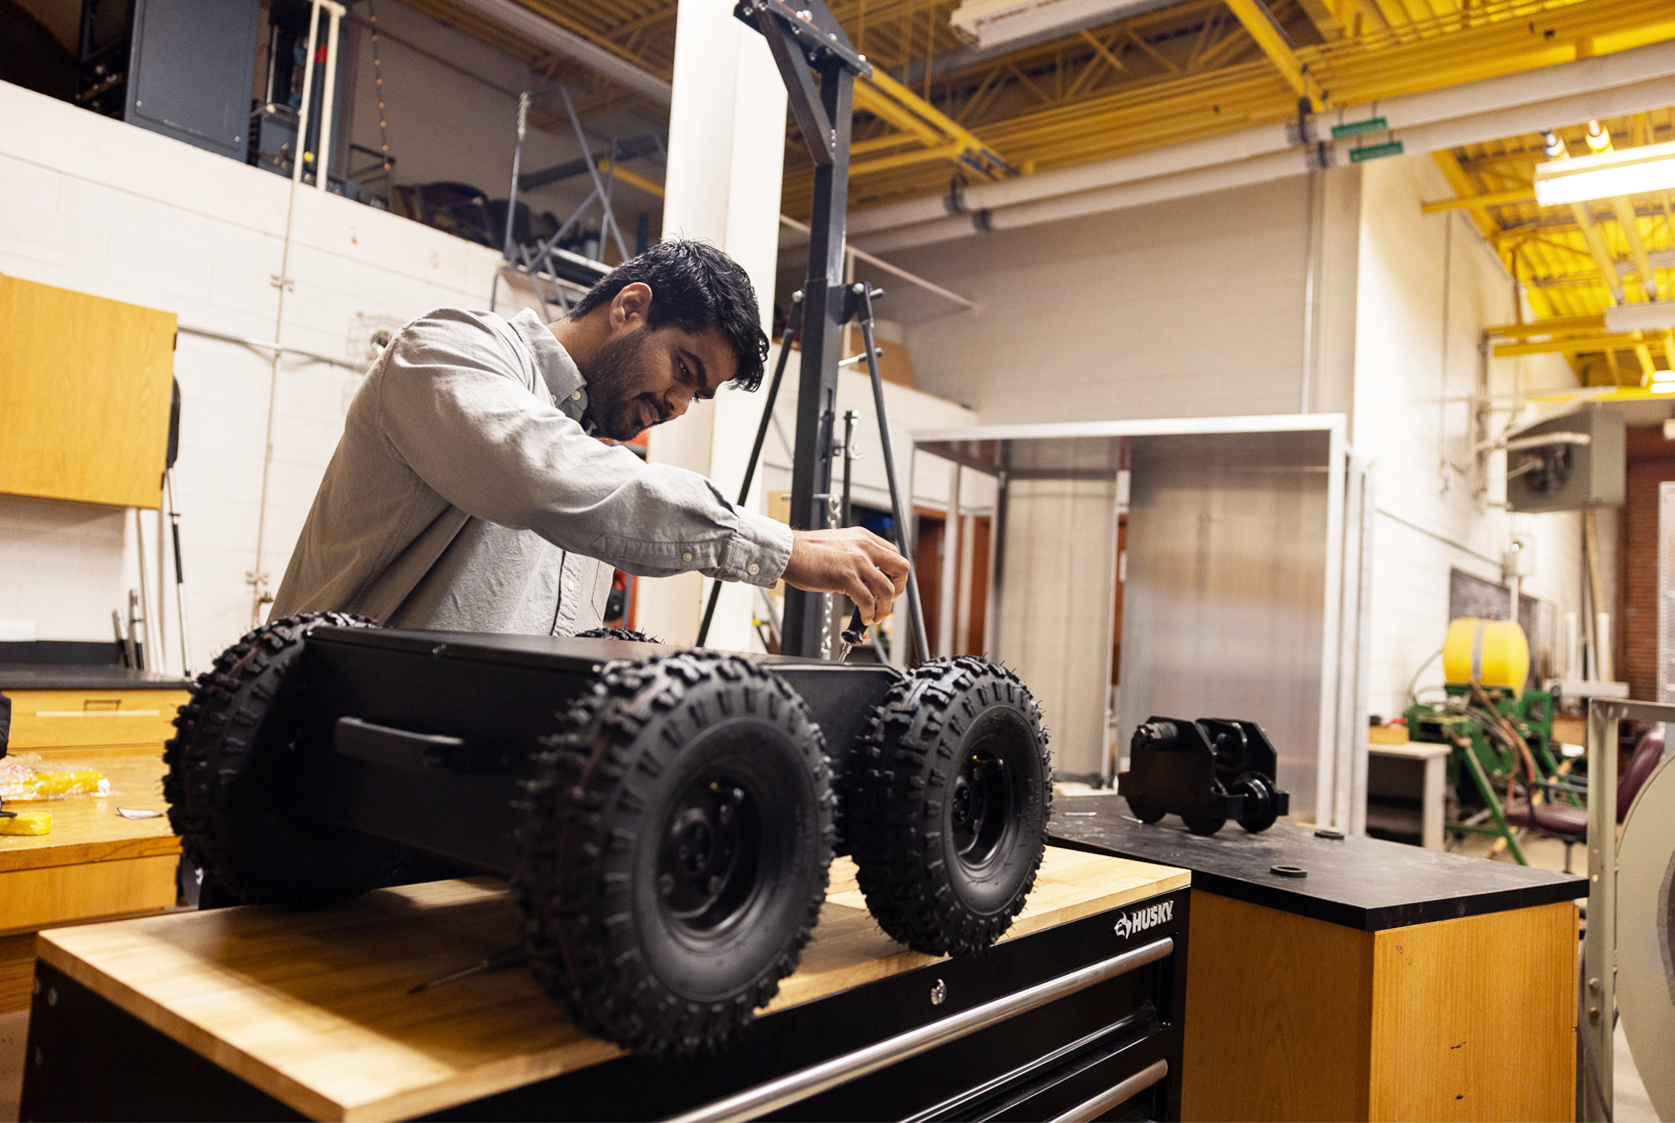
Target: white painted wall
{"points": [[1428, 520], [1189, 307], [98, 206]]}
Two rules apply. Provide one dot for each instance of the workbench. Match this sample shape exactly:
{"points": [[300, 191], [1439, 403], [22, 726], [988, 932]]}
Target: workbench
{"points": [[95, 864], [1386, 983], [253, 1013]]}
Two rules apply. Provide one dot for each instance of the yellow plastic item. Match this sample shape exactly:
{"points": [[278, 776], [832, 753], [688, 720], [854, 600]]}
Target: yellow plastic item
{"points": [[81, 781], [27, 822], [1488, 652]]}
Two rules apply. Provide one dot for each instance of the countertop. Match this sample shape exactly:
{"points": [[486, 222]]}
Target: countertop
{"points": [[1358, 882], [78, 676]]}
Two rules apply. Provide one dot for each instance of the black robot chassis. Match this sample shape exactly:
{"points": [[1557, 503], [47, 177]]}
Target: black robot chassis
{"points": [[666, 815]]}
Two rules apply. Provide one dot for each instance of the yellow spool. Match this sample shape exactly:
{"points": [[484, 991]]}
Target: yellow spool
{"points": [[1490, 652]]}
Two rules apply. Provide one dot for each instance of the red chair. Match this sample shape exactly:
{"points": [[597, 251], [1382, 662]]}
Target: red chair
{"points": [[1570, 824]]}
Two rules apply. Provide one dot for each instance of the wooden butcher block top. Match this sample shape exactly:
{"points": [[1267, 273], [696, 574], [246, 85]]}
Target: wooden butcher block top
{"points": [[313, 1008]]}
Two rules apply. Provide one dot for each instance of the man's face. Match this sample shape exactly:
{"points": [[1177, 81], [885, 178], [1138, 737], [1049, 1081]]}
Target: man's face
{"points": [[640, 377]]}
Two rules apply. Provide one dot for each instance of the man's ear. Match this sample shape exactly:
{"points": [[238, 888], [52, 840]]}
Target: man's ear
{"points": [[631, 306]]}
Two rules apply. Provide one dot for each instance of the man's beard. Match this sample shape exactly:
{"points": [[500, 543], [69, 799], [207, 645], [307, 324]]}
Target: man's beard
{"points": [[612, 407]]}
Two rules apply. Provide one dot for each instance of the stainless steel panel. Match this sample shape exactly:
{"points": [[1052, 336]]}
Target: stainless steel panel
{"points": [[1224, 612], [1055, 617]]}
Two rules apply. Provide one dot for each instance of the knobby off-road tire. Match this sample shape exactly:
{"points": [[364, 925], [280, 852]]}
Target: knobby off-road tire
{"points": [[676, 853], [948, 805], [226, 785]]}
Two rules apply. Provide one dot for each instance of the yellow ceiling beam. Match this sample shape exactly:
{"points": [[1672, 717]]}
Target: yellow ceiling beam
{"points": [[1478, 202], [1572, 345], [943, 137], [1553, 325], [1623, 208], [1621, 394], [1462, 185], [632, 179], [1603, 260], [1254, 15], [903, 159]]}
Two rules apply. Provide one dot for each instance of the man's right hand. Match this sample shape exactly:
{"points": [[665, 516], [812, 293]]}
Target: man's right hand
{"points": [[853, 561]]}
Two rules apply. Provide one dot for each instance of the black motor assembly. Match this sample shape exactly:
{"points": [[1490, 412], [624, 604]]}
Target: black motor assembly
{"points": [[1206, 771]]}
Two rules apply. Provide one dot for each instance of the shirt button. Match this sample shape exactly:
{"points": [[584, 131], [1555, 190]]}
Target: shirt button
{"points": [[686, 556], [576, 397], [753, 569]]}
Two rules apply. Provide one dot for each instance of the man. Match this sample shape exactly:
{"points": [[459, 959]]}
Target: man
{"points": [[468, 492]]}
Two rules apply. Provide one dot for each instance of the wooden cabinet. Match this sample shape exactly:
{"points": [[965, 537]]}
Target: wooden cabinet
{"points": [[1350, 978], [95, 864], [59, 724], [84, 395]]}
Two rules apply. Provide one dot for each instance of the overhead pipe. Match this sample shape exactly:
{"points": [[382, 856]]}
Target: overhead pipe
{"points": [[1475, 128], [568, 43], [1488, 99]]}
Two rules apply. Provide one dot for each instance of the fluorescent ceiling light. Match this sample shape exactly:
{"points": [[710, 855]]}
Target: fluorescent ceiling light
{"points": [[1655, 316], [1663, 376], [1631, 171], [1663, 387], [992, 22]]}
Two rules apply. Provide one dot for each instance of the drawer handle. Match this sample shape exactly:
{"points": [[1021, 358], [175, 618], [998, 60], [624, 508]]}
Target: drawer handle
{"points": [[1114, 1095], [399, 748], [811, 1081]]}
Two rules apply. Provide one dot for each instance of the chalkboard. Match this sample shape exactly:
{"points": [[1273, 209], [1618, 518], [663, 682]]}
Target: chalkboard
{"points": [[1473, 596]]}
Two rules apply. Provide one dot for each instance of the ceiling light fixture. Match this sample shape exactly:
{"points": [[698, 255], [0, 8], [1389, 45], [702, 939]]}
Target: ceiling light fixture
{"points": [[1657, 315], [1627, 171], [1663, 376], [991, 22]]}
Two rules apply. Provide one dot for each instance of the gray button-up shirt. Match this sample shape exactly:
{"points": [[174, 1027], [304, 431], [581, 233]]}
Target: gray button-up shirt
{"points": [[465, 495]]}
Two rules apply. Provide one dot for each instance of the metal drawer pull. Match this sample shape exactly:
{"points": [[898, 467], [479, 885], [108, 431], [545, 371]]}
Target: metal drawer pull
{"points": [[1114, 1095], [811, 1081]]}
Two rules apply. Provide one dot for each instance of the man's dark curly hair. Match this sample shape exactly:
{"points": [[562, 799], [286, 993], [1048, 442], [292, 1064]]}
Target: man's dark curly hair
{"points": [[694, 287]]}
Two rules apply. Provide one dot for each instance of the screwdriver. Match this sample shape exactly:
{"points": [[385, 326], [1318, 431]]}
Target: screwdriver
{"points": [[501, 959], [853, 635]]}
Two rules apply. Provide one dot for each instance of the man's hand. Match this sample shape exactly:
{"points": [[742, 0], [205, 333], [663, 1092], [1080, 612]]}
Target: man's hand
{"points": [[853, 561]]}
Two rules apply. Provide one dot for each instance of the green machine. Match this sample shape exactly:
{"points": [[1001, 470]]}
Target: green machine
{"points": [[1500, 734]]}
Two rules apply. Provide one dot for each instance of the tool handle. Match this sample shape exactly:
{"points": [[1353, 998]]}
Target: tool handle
{"points": [[856, 633]]}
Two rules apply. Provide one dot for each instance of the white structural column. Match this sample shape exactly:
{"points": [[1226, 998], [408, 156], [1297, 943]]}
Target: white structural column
{"points": [[726, 159]]}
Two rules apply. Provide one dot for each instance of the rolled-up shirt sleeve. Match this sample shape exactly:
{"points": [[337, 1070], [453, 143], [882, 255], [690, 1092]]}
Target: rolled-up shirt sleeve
{"points": [[453, 407]]}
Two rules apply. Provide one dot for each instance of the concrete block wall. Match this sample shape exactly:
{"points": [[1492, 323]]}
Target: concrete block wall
{"points": [[1190, 307], [94, 205]]}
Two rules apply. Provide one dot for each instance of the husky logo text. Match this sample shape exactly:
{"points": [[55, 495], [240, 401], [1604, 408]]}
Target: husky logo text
{"points": [[1141, 919]]}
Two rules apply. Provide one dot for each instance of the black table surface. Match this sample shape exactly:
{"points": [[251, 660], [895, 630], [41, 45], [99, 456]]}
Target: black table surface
{"points": [[1358, 882], [73, 676]]}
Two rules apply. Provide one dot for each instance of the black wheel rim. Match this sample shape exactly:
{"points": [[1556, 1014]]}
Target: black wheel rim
{"points": [[981, 805], [707, 864]]}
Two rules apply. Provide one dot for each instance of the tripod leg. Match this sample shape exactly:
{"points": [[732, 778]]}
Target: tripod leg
{"points": [[915, 609]]}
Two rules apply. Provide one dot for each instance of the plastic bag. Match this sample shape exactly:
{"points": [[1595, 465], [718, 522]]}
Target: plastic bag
{"points": [[26, 776]]}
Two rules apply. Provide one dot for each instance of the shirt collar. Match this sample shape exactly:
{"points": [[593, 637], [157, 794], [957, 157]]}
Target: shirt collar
{"points": [[563, 377]]}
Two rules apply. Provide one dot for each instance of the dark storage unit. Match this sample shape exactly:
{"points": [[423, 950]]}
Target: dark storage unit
{"points": [[178, 67]]}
